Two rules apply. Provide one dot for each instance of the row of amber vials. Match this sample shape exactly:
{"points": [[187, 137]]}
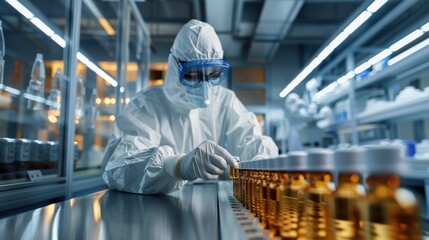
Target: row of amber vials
{"points": [[294, 196]]}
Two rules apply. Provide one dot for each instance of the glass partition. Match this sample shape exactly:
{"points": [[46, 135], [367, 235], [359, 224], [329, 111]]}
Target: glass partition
{"points": [[96, 84], [32, 86]]}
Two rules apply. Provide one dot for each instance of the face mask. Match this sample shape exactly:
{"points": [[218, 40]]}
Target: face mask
{"points": [[200, 96]]}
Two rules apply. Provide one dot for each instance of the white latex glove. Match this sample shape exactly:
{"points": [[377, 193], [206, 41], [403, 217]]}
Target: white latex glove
{"points": [[206, 161]]}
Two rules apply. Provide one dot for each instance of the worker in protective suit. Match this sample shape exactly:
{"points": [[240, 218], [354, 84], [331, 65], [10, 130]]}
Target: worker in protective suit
{"points": [[188, 128]]}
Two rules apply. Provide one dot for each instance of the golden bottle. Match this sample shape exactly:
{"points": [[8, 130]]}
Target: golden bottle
{"points": [[320, 178], [345, 220], [273, 198], [254, 196], [248, 190], [234, 175], [243, 185], [292, 187], [263, 197], [390, 212]]}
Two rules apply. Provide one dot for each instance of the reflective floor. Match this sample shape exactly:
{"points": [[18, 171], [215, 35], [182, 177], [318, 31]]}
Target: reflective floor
{"points": [[187, 214]]}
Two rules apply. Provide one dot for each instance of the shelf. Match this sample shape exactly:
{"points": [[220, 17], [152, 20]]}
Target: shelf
{"points": [[415, 169], [409, 108], [419, 58], [340, 125]]}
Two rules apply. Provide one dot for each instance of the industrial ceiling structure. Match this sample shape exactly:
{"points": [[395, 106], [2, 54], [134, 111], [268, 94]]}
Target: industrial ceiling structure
{"points": [[251, 30]]}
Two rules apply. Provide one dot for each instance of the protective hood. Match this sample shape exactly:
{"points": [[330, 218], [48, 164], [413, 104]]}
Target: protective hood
{"points": [[196, 40]]}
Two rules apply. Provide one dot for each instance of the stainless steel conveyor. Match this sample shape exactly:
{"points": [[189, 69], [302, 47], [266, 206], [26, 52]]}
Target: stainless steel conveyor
{"points": [[201, 210]]}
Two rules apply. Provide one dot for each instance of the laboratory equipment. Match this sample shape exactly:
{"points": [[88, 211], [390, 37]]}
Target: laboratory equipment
{"points": [[36, 86], [7, 150], [22, 150], [37, 154]]}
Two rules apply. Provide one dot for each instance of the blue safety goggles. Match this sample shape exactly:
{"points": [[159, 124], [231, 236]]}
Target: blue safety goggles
{"points": [[194, 73]]}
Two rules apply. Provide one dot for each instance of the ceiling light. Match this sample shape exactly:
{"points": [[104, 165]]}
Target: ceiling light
{"points": [[42, 26], [355, 24], [425, 27], [338, 40], [59, 40], [406, 40], [99, 16], [343, 80], [20, 8], [106, 26], [34, 97], [408, 52], [96, 69], [350, 74], [382, 55], [376, 5], [364, 66]]}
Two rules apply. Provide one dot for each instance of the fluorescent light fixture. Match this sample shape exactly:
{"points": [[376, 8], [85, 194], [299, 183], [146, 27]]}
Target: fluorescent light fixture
{"points": [[409, 52], [59, 40], [377, 4], [382, 55], [34, 97], [12, 90], [350, 74], [406, 40], [96, 69], [37, 22], [100, 18], [20, 8], [364, 66], [357, 22], [324, 54], [106, 26], [42, 26], [425, 27], [338, 40], [326, 90], [342, 80]]}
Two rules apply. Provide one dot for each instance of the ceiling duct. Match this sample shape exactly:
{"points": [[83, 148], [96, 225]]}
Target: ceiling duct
{"points": [[219, 14], [274, 23]]}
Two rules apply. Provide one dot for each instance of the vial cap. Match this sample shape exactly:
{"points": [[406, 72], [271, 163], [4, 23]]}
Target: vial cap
{"points": [[423, 147], [271, 164], [349, 159], [280, 162], [320, 159], [258, 164], [265, 164], [296, 161], [383, 158]]}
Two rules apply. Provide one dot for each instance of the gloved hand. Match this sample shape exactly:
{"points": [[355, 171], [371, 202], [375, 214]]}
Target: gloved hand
{"points": [[206, 161]]}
